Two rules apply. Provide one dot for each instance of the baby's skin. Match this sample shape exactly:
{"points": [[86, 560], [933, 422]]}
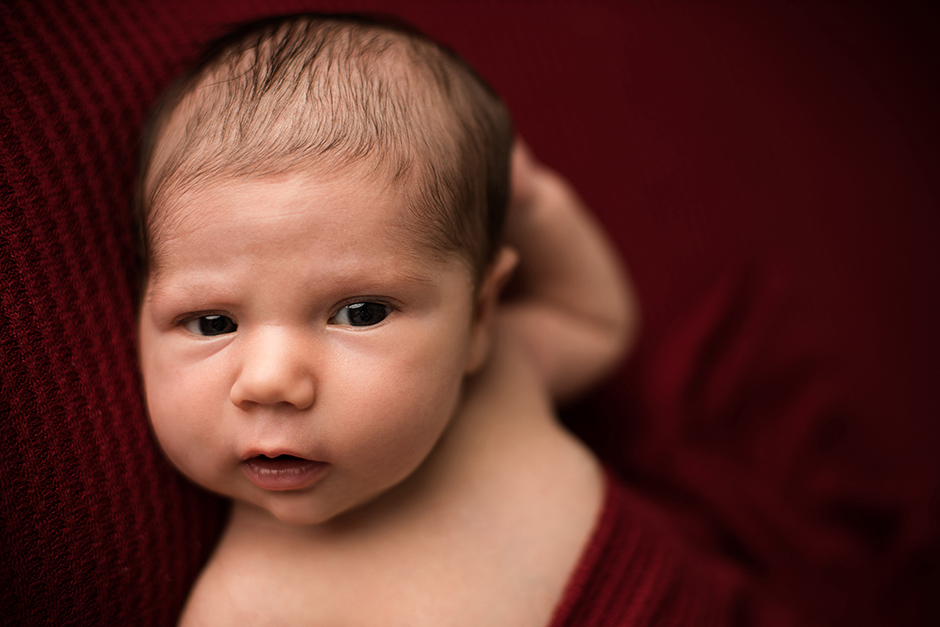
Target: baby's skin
{"points": [[385, 427]]}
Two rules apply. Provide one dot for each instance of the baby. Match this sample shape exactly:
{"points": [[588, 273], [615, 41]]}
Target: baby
{"points": [[323, 204]]}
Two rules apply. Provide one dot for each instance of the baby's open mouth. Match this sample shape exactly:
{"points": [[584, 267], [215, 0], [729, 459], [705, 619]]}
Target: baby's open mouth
{"points": [[277, 463], [282, 472]]}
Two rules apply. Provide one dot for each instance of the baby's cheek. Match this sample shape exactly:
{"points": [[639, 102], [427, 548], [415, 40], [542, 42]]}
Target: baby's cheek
{"points": [[179, 423], [168, 426], [411, 432]]}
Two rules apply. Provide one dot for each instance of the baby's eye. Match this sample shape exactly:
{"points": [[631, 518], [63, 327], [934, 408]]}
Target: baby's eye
{"points": [[213, 324], [361, 314]]}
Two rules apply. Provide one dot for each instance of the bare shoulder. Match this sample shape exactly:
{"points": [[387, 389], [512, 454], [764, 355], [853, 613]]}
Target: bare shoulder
{"points": [[220, 597], [238, 588], [212, 602], [215, 600]]}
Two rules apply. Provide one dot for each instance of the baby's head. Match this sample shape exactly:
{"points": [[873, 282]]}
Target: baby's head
{"points": [[327, 94], [321, 202]]}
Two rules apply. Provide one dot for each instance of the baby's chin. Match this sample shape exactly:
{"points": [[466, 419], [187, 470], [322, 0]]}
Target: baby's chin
{"points": [[303, 509], [292, 510]]}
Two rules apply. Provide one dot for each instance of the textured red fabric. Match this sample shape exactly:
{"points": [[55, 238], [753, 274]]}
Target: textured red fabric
{"points": [[782, 171], [768, 170], [638, 570]]}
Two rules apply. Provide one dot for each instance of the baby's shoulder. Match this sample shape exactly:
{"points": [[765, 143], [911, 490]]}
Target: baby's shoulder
{"points": [[239, 586], [264, 572]]}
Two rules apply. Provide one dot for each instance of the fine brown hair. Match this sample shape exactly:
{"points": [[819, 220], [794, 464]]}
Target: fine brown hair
{"points": [[314, 92]]}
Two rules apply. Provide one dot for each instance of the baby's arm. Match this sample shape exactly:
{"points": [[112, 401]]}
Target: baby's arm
{"points": [[573, 310]]}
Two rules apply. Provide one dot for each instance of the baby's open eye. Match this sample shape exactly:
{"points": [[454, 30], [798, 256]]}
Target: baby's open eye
{"points": [[361, 314], [213, 324]]}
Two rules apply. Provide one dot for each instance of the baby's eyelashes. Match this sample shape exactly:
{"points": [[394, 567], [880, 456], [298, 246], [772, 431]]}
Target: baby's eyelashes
{"points": [[363, 314], [210, 325]]}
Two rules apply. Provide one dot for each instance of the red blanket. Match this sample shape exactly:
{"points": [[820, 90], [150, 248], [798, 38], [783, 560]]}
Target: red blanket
{"points": [[639, 571], [769, 172]]}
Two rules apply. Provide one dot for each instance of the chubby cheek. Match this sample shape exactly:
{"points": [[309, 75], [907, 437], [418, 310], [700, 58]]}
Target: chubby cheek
{"points": [[179, 406], [398, 416]]}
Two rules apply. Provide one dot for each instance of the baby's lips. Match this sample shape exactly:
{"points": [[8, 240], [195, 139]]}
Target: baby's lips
{"points": [[282, 471]]}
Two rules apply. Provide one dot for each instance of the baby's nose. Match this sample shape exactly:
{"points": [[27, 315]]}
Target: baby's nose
{"points": [[274, 370]]}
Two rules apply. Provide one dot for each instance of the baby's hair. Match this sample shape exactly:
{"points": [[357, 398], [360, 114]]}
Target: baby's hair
{"points": [[321, 92]]}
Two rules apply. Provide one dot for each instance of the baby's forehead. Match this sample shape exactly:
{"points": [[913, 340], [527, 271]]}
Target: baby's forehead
{"points": [[319, 200], [203, 199]]}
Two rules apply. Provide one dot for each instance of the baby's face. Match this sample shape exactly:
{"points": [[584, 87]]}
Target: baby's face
{"points": [[299, 353]]}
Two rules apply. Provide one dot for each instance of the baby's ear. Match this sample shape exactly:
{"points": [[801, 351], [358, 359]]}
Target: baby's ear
{"points": [[494, 280]]}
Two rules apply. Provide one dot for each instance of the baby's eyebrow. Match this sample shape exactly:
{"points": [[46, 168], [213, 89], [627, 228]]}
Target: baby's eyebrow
{"points": [[383, 277], [366, 279], [404, 275]]}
